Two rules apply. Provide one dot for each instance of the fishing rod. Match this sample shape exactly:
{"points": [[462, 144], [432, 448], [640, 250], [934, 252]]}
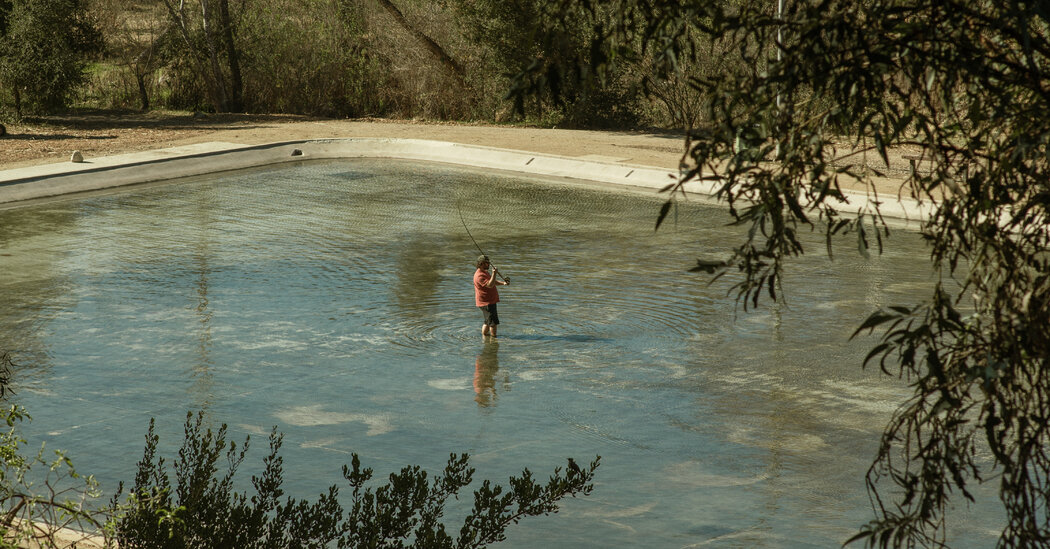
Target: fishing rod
{"points": [[464, 220]]}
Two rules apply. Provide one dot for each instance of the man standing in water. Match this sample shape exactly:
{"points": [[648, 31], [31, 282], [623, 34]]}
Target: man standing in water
{"points": [[485, 294]]}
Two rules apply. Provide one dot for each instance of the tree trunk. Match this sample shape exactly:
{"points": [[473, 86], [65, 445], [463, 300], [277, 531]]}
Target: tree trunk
{"points": [[217, 76], [236, 99], [178, 19], [455, 68], [143, 95]]}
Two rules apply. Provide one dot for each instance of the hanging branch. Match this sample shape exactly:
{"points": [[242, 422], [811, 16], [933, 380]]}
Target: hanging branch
{"points": [[433, 47]]}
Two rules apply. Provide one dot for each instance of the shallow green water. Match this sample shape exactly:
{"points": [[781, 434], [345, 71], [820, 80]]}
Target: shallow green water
{"points": [[334, 301]]}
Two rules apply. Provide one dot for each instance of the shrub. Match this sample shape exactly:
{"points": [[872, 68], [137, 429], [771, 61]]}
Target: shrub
{"points": [[41, 47], [200, 508], [40, 494]]}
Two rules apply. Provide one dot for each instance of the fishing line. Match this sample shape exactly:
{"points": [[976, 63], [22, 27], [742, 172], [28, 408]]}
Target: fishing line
{"points": [[464, 220]]}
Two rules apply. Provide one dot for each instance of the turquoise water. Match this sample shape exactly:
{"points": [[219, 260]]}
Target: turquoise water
{"points": [[334, 300]]}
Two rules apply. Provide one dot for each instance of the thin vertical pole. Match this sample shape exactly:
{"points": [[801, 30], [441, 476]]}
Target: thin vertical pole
{"points": [[780, 57]]}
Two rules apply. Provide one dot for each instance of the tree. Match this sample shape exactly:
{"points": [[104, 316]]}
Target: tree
{"points": [[318, 63], [559, 78], [136, 36], [43, 44], [819, 96], [199, 507], [210, 44]]}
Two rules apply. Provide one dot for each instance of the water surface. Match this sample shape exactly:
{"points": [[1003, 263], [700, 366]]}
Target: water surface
{"points": [[334, 301]]}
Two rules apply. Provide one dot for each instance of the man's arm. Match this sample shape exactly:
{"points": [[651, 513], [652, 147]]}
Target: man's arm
{"points": [[492, 280]]}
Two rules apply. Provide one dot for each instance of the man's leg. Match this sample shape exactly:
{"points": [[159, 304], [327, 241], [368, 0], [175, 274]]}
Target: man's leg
{"points": [[493, 319], [485, 325]]}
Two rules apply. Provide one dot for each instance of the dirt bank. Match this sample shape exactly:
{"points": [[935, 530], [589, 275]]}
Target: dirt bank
{"points": [[53, 139]]}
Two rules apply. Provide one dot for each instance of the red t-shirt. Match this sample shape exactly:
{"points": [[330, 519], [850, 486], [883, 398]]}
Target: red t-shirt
{"points": [[482, 295]]}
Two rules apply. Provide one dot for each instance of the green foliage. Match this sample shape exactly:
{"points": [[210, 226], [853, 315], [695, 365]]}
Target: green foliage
{"points": [[200, 507], [318, 63], [41, 493], [324, 61], [557, 71], [42, 48], [443, 59], [206, 50], [818, 98]]}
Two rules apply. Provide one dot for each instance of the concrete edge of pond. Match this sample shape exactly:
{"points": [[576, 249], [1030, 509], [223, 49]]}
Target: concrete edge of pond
{"points": [[50, 180]]}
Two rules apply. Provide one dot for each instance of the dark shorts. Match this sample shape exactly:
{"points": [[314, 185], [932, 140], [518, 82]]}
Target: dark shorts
{"points": [[491, 317]]}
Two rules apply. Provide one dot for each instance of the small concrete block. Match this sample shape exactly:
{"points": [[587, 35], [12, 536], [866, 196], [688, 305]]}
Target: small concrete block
{"points": [[77, 157]]}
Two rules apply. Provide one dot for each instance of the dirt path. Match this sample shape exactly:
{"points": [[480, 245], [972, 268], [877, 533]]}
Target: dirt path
{"points": [[44, 141]]}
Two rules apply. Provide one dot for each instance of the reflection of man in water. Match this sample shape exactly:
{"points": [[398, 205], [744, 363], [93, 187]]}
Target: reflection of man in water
{"points": [[485, 294], [485, 368]]}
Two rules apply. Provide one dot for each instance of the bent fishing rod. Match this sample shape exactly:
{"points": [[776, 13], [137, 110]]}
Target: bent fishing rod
{"points": [[464, 220]]}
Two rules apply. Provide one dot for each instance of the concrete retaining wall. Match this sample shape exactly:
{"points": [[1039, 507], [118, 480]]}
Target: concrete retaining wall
{"points": [[103, 173]]}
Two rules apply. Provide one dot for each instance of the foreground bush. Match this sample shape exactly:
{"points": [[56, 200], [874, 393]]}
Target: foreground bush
{"points": [[42, 497], [199, 507]]}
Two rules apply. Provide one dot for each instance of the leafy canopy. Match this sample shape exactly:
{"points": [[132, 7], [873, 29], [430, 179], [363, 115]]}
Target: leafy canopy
{"points": [[816, 98], [42, 45], [200, 507]]}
